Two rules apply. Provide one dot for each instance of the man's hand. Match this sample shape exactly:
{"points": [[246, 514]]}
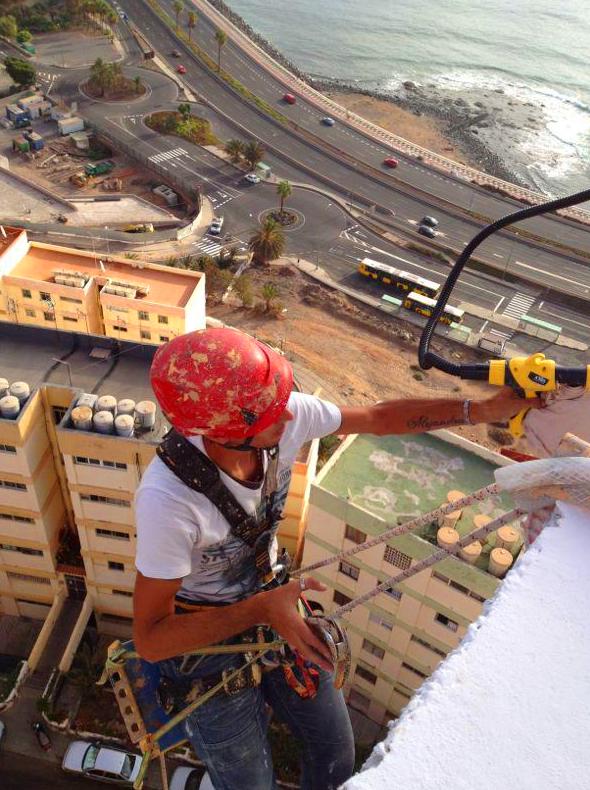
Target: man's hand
{"points": [[280, 612], [502, 406]]}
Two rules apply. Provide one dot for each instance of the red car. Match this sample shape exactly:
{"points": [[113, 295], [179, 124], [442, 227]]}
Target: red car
{"points": [[390, 162], [181, 69], [289, 98]]}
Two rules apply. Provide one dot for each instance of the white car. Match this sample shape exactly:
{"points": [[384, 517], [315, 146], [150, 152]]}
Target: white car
{"points": [[216, 226], [185, 778], [252, 178], [101, 762]]}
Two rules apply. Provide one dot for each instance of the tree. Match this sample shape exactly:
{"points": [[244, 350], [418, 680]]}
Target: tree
{"points": [[24, 36], [216, 280], [185, 110], [98, 74], [268, 243], [178, 7], [8, 26], [254, 153], [235, 149], [269, 293], [243, 290], [137, 84], [221, 39], [191, 24], [284, 189], [20, 71]]}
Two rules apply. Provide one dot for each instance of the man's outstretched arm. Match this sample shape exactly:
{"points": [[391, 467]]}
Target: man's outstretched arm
{"points": [[419, 415]]}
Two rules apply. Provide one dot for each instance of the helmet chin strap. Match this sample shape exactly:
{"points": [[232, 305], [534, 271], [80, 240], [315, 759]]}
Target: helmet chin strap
{"points": [[244, 446]]}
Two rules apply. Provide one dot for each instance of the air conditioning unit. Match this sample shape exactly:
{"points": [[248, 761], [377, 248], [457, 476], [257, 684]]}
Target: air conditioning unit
{"points": [[143, 290]]}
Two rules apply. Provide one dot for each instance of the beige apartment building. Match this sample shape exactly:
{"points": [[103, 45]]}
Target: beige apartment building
{"points": [[77, 291], [398, 638]]}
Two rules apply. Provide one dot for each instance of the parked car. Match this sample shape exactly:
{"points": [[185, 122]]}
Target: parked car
{"points": [[327, 121], [101, 762], [216, 226], [181, 69], [289, 98], [390, 162], [185, 778], [175, 53], [431, 221], [426, 230], [252, 178]]}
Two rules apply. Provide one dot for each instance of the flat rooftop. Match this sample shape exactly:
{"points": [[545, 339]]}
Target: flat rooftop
{"points": [[29, 354], [167, 286]]}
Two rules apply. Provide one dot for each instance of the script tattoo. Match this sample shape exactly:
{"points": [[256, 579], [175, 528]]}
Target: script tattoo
{"points": [[424, 423]]}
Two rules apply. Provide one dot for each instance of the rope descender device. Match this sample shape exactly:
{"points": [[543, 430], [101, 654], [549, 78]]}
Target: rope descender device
{"points": [[528, 376], [334, 636]]}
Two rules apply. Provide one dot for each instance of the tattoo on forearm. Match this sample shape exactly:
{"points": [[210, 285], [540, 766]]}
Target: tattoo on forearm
{"points": [[424, 423]]}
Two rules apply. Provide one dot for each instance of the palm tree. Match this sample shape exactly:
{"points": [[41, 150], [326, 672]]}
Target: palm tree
{"points": [[253, 153], [268, 242], [98, 74], [269, 293], [221, 38], [178, 7], [191, 23], [235, 149], [284, 189], [185, 110]]}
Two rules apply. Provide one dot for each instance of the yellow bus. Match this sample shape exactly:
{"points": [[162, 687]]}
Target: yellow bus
{"points": [[396, 278], [425, 306]]}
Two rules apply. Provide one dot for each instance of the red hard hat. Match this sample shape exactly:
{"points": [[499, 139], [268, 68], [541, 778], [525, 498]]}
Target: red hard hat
{"points": [[221, 383]]}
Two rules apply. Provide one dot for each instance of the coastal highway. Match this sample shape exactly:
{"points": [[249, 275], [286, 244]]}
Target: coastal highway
{"points": [[345, 138]]}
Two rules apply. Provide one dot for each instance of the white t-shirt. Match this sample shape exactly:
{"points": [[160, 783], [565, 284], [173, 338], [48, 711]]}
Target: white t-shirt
{"points": [[182, 535]]}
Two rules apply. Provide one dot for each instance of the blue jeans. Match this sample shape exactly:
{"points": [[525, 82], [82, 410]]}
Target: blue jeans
{"points": [[229, 733]]}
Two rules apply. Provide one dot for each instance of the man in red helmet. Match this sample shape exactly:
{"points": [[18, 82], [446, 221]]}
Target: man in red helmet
{"points": [[207, 511]]}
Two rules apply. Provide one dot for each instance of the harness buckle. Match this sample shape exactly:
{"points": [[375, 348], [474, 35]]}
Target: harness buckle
{"points": [[248, 677], [336, 638]]}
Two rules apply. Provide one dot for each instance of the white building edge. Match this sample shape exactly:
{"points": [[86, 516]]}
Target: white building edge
{"points": [[510, 708]]}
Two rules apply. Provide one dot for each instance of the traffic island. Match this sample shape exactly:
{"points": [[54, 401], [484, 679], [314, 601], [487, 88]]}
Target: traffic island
{"points": [[182, 124]]}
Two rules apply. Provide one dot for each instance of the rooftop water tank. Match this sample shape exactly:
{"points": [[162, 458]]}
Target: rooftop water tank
{"points": [[103, 422], [145, 413], [471, 552], [107, 403], [3, 387], [447, 537], [126, 406], [124, 424], [500, 561], [87, 399], [9, 407], [82, 418], [20, 390], [507, 537]]}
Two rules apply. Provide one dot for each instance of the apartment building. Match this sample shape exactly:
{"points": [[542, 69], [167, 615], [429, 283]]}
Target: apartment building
{"points": [[399, 638], [78, 291]]}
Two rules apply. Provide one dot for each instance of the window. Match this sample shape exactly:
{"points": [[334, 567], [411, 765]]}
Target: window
{"points": [[349, 570], [124, 593], [145, 335], [70, 318], [366, 675], [415, 671], [402, 693], [14, 517], [107, 500], [162, 319], [80, 459], [428, 646], [373, 649], [44, 296], [116, 566], [48, 316], [21, 549], [26, 293], [143, 316], [113, 465], [11, 484], [446, 621], [397, 558], [374, 618], [7, 448], [456, 586], [24, 577], [30, 313], [341, 599], [69, 299], [120, 328], [355, 535], [164, 338], [358, 701], [112, 533], [392, 592]]}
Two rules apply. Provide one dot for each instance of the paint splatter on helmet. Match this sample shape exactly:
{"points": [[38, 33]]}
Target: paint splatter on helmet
{"points": [[220, 383]]}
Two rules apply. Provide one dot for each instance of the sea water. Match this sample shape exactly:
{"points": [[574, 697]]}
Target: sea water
{"points": [[534, 50]]}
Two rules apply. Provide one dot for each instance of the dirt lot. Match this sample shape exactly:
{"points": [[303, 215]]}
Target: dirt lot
{"points": [[358, 355]]}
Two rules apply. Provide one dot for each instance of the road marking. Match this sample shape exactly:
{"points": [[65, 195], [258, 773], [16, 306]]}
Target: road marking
{"points": [[519, 305], [502, 298], [208, 247], [551, 274]]}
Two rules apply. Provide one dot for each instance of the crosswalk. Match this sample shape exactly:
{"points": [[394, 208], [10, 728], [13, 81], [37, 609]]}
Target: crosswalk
{"points": [[208, 247], [165, 156], [519, 305]]}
